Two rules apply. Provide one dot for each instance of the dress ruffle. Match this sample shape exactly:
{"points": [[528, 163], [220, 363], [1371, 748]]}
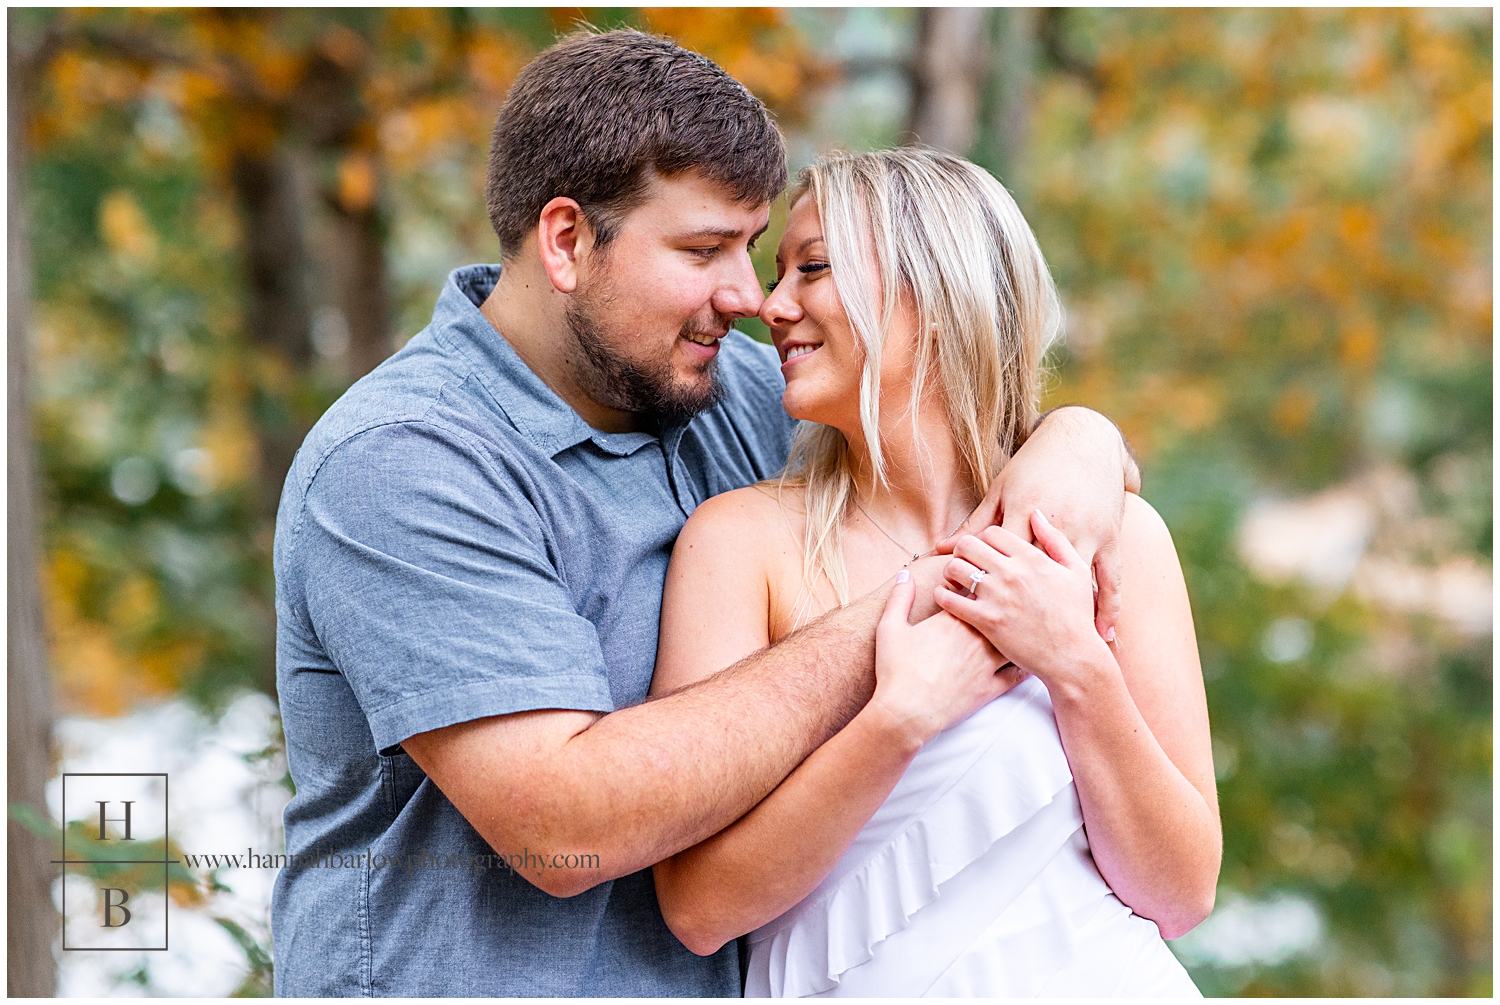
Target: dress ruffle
{"points": [[839, 925]]}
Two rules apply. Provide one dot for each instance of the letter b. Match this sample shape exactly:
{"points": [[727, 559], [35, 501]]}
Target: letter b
{"points": [[111, 905]]}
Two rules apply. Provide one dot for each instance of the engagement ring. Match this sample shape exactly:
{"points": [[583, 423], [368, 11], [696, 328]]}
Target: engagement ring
{"points": [[975, 580]]}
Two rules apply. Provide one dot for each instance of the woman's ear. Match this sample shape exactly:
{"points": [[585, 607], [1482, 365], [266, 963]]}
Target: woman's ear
{"points": [[562, 235]]}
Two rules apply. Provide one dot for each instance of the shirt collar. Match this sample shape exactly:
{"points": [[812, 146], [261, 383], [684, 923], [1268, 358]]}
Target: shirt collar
{"points": [[532, 407]]}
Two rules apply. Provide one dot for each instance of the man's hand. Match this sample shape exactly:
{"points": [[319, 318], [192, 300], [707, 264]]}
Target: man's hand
{"points": [[1076, 469]]}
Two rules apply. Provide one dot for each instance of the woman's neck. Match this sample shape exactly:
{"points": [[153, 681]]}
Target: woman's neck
{"points": [[927, 493]]}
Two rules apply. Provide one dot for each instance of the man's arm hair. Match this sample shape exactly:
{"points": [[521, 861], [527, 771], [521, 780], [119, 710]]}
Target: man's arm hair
{"points": [[1132, 463], [635, 786], [420, 567]]}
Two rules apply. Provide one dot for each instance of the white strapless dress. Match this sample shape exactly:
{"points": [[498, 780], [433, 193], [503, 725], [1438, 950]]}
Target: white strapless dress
{"points": [[973, 879]]}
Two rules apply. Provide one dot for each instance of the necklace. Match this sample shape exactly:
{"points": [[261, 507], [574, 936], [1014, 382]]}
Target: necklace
{"points": [[914, 554]]}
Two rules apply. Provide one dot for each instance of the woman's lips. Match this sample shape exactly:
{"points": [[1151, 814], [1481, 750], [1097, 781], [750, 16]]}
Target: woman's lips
{"points": [[796, 352]]}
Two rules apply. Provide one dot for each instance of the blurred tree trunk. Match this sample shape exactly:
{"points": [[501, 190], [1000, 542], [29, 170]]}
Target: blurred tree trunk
{"points": [[277, 313], [364, 296], [30, 916], [327, 117], [948, 74], [1010, 93], [331, 113], [324, 114]]}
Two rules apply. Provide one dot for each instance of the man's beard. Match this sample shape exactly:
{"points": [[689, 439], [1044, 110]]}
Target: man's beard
{"points": [[642, 387]]}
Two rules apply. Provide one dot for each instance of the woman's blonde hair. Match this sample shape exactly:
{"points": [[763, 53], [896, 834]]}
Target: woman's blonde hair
{"points": [[942, 232]]}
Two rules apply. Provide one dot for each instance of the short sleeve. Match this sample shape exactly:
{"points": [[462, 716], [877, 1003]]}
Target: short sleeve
{"points": [[427, 578]]}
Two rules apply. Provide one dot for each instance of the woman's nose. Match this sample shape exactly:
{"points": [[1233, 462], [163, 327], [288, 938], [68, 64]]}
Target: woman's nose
{"points": [[780, 308]]}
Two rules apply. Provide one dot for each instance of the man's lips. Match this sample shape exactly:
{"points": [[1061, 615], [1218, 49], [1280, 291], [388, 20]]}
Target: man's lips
{"points": [[703, 345]]}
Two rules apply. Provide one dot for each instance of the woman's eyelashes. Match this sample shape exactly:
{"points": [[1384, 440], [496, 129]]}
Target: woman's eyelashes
{"points": [[810, 269]]}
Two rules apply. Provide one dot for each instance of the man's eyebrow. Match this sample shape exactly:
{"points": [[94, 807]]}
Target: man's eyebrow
{"points": [[727, 233]]}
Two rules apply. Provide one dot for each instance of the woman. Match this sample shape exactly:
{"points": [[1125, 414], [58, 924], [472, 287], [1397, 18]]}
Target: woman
{"points": [[925, 849]]}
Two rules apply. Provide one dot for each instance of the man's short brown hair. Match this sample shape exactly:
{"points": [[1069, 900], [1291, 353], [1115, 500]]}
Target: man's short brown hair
{"points": [[591, 117]]}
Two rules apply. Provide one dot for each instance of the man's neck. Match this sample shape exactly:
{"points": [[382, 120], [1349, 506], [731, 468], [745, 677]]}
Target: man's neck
{"points": [[529, 313]]}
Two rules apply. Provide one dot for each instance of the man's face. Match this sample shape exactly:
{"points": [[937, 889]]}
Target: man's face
{"points": [[651, 306]]}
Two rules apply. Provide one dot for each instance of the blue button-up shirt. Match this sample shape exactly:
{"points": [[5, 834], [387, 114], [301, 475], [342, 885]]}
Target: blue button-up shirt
{"points": [[454, 542]]}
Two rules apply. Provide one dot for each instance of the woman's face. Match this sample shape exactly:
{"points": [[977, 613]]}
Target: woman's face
{"points": [[821, 359]]}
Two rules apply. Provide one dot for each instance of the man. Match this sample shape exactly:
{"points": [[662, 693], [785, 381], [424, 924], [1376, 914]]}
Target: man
{"points": [[471, 549]]}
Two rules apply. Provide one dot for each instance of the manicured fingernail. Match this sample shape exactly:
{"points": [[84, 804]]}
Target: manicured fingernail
{"points": [[1040, 514], [903, 576], [1109, 634]]}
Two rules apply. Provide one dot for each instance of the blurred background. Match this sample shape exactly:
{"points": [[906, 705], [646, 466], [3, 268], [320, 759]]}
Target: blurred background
{"points": [[1272, 230]]}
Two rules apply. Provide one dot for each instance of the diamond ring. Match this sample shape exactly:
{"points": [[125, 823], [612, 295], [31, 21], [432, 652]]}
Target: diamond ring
{"points": [[975, 580]]}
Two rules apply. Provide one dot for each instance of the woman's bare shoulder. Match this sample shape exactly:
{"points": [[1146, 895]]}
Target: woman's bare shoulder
{"points": [[1154, 598], [751, 537], [1144, 532], [757, 516], [728, 554]]}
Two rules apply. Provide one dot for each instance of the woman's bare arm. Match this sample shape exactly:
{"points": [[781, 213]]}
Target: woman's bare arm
{"points": [[773, 856], [1134, 721], [1152, 809]]}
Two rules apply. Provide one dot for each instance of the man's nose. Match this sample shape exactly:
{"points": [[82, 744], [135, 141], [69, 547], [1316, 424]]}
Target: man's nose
{"points": [[740, 295]]}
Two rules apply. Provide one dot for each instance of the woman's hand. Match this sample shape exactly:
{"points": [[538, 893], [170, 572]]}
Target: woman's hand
{"points": [[1131, 715], [929, 675], [933, 674], [1077, 467], [1035, 604]]}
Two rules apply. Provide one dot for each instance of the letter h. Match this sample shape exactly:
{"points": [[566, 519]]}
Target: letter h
{"points": [[114, 820]]}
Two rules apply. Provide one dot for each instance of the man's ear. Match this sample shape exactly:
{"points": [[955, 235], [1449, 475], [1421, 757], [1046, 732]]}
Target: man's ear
{"points": [[563, 235]]}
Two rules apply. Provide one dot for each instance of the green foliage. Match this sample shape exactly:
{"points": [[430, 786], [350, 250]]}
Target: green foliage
{"points": [[163, 586], [1368, 793], [258, 982], [1272, 232]]}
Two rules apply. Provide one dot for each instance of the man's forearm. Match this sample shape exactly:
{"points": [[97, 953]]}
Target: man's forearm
{"points": [[1088, 423], [641, 784]]}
